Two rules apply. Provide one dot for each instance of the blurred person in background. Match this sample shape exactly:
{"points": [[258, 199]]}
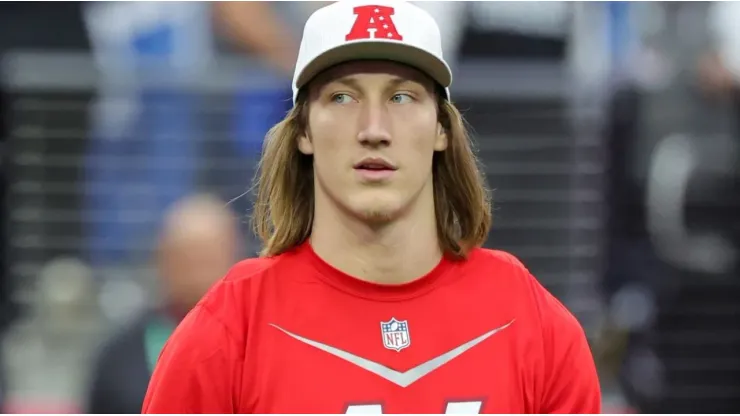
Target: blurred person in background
{"points": [[37, 26], [372, 209], [257, 28], [719, 68], [152, 124], [198, 243], [674, 204]]}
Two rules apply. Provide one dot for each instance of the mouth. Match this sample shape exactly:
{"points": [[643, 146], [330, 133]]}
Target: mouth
{"points": [[375, 169], [375, 164]]}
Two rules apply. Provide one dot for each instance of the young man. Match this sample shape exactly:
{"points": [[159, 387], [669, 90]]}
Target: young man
{"points": [[372, 294]]}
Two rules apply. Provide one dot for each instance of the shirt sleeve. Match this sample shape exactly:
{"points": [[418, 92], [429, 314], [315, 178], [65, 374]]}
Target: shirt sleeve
{"points": [[571, 384], [198, 370]]}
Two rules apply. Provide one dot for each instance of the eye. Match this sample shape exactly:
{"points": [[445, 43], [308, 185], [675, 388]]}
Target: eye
{"points": [[401, 98], [341, 98]]}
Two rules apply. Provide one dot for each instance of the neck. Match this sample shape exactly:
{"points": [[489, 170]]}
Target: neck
{"points": [[395, 253]]}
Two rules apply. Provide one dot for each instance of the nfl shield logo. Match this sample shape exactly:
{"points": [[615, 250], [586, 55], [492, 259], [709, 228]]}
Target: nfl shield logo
{"points": [[395, 334]]}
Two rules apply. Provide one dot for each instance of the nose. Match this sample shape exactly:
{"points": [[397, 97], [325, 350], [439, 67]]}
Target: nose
{"points": [[374, 126]]}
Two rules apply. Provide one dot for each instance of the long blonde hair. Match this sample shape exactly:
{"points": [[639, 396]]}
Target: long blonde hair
{"points": [[284, 208]]}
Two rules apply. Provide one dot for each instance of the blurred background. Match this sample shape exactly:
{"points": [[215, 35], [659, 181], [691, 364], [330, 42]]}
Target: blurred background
{"points": [[610, 132]]}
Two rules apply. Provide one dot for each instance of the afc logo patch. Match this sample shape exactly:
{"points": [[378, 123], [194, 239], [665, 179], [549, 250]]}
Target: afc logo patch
{"points": [[373, 22], [395, 334]]}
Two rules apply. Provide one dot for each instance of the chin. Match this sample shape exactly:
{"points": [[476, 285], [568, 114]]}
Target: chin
{"points": [[377, 216], [377, 209]]}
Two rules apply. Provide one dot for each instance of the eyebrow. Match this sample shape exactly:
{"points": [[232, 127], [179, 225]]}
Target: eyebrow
{"points": [[351, 82]]}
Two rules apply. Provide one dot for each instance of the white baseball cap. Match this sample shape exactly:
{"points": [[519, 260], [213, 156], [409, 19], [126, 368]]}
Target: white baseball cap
{"points": [[349, 30]]}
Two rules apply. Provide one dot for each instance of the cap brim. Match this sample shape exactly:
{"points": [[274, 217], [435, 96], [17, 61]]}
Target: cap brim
{"points": [[382, 50]]}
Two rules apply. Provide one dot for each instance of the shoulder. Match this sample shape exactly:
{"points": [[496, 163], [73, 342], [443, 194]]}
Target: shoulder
{"points": [[219, 323], [498, 259], [240, 279], [509, 271], [253, 270], [245, 277], [505, 269], [231, 299]]}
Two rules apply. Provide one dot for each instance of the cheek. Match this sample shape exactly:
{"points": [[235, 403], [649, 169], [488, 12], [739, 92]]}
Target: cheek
{"points": [[419, 149], [331, 140]]}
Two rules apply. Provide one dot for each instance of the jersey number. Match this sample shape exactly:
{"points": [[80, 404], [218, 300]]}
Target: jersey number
{"points": [[468, 408]]}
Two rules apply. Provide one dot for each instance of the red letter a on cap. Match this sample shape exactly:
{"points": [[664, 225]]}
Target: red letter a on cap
{"points": [[376, 19]]}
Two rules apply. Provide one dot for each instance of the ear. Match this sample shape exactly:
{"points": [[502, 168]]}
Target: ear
{"points": [[440, 141], [304, 144]]}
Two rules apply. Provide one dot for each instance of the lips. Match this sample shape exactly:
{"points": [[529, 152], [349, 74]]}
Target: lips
{"points": [[375, 164], [375, 170]]}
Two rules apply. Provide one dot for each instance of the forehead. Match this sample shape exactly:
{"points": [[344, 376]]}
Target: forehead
{"points": [[357, 69]]}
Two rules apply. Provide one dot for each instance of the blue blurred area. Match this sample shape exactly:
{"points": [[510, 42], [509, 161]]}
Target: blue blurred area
{"points": [[142, 173], [162, 147], [257, 110], [144, 166]]}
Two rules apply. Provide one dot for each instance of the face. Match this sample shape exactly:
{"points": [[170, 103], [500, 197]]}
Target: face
{"points": [[196, 256], [373, 131]]}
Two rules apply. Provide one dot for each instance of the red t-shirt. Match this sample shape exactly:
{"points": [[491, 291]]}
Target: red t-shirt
{"points": [[291, 334]]}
